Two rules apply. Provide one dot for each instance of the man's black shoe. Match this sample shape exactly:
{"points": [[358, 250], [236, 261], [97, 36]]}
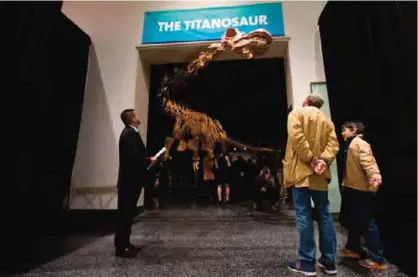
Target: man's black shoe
{"points": [[137, 247], [126, 252]]}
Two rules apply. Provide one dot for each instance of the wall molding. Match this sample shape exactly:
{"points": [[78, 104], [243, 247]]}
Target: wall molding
{"points": [[97, 198]]}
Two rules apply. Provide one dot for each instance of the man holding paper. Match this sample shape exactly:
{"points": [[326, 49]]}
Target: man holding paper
{"points": [[133, 164]]}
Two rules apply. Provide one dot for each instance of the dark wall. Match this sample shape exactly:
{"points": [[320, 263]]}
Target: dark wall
{"points": [[45, 60], [369, 51]]}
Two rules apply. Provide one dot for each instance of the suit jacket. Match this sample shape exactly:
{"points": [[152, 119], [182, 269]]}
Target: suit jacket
{"points": [[360, 165], [310, 134], [133, 160]]}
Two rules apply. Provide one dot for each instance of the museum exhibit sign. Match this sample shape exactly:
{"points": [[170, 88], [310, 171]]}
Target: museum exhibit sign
{"points": [[210, 23]]}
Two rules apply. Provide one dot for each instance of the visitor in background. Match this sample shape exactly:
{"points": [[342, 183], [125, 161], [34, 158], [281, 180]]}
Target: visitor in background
{"points": [[286, 192], [181, 165], [277, 172], [223, 173], [265, 188], [163, 180], [156, 194], [362, 179], [209, 178], [253, 171], [239, 168], [311, 148], [158, 183]]}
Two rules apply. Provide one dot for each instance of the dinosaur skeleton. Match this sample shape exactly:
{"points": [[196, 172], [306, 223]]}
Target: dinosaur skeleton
{"points": [[194, 128]]}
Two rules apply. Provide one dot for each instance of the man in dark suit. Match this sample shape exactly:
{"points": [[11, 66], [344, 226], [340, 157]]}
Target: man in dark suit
{"points": [[133, 163]]}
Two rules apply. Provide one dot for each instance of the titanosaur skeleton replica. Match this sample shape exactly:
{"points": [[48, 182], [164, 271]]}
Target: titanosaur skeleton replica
{"points": [[195, 130]]}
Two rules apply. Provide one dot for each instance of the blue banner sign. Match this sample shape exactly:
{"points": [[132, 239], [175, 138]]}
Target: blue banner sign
{"points": [[210, 23]]}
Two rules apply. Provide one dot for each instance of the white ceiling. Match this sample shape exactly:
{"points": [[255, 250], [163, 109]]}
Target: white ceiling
{"points": [[186, 52]]}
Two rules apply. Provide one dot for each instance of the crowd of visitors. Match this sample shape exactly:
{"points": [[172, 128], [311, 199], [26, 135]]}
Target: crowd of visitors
{"points": [[224, 178]]}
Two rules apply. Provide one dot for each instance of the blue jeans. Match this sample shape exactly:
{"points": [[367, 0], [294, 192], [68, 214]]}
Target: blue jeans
{"points": [[372, 242], [327, 238]]}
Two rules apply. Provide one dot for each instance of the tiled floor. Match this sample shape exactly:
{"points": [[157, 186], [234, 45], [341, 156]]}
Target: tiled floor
{"points": [[197, 242]]}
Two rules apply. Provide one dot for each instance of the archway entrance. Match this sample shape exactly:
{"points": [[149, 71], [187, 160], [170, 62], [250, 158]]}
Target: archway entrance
{"points": [[155, 60]]}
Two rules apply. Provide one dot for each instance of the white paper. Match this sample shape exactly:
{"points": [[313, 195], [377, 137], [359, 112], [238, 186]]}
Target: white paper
{"points": [[160, 153]]}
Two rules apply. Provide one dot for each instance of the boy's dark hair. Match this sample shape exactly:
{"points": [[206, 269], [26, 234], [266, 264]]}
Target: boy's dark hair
{"points": [[126, 116], [352, 126], [357, 126], [360, 128]]}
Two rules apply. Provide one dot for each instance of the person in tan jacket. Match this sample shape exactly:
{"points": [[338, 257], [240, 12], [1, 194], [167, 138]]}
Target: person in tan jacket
{"points": [[361, 181], [311, 147]]}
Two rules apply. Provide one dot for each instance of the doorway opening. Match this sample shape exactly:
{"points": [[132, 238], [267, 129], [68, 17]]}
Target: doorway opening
{"points": [[249, 97]]}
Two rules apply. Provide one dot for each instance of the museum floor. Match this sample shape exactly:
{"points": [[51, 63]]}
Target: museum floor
{"points": [[195, 242]]}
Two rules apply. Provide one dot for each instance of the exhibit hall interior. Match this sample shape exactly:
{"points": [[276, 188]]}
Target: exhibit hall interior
{"points": [[221, 91]]}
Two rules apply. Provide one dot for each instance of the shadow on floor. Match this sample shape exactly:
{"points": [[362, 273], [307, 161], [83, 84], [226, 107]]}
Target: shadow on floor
{"points": [[71, 230]]}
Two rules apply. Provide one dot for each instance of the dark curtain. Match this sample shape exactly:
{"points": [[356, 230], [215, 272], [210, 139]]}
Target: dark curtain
{"points": [[369, 51], [45, 61]]}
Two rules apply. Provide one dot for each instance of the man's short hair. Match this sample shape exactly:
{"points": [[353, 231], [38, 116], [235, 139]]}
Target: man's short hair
{"points": [[126, 116], [316, 100]]}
